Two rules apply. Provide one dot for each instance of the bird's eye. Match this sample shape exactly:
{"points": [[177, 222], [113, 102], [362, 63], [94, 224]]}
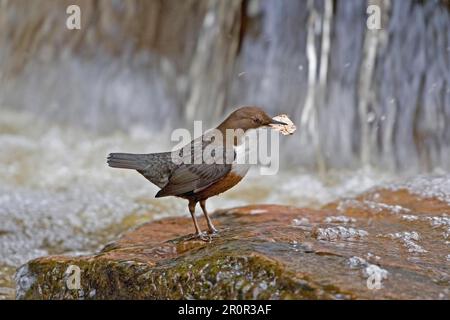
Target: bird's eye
{"points": [[256, 120]]}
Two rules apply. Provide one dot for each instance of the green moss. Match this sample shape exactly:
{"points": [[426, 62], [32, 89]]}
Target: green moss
{"points": [[221, 275]]}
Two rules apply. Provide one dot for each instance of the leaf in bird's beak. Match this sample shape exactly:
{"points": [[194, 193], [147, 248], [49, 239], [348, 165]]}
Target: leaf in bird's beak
{"points": [[283, 124]]}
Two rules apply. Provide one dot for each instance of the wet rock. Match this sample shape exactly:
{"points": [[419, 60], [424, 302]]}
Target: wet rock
{"points": [[360, 248]]}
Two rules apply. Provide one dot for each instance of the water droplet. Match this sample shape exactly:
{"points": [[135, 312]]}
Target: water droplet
{"points": [[300, 222], [209, 19]]}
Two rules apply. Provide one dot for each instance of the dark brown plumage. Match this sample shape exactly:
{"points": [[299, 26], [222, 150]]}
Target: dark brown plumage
{"points": [[195, 181]]}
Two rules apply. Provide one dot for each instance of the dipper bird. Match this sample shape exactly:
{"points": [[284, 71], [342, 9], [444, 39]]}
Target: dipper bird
{"points": [[205, 167]]}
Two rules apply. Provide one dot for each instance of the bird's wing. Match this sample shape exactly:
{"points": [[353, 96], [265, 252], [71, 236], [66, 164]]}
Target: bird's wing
{"points": [[196, 176], [193, 178]]}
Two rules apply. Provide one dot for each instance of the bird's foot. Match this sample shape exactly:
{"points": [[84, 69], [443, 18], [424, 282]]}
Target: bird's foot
{"points": [[203, 236], [199, 235], [212, 230]]}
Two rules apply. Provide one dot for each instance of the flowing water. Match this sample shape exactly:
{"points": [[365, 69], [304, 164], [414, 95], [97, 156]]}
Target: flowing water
{"points": [[371, 108]]}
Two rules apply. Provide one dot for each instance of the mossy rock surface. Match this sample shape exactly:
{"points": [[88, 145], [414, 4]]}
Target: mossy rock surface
{"points": [[381, 245]]}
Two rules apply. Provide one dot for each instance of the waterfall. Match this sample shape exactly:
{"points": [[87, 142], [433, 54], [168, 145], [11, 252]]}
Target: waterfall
{"points": [[361, 97]]}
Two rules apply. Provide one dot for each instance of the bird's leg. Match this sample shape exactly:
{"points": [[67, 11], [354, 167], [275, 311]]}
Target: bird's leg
{"points": [[208, 220], [192, 205]]}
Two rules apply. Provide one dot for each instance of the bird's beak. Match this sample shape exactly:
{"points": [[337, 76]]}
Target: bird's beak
{"points": [[272, 121]]}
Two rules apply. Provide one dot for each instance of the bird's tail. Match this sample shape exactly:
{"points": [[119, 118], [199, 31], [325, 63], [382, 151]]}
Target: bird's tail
{"points": [[128, 160]]}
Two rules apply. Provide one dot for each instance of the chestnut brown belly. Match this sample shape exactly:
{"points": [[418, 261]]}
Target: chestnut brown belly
{"points": [[227, 182]]}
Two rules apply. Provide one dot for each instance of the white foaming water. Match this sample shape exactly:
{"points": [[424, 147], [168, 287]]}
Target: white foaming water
{"points": [[371, 206], [427, 186], [409, 240], [57, 193], [339, 219], [340, 233], [367, 268], [410, 217]]}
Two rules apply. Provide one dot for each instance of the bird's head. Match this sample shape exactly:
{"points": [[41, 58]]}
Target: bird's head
{"points": [[248, 117]]}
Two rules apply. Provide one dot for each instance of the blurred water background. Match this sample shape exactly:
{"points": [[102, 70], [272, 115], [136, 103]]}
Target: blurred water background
{"points": [[372, 106]]}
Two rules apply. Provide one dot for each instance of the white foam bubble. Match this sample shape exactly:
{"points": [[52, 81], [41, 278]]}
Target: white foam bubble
{"points": [[409, 240], [339, 219], [340, 233]]}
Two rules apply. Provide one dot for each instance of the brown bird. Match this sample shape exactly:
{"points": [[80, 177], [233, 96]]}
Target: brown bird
{"points": [[197, 176]]}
